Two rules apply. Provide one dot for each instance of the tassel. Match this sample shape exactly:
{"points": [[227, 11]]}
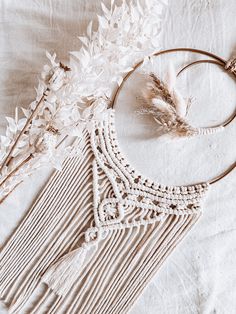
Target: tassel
{"points": [[17, 306], [62, 275]]}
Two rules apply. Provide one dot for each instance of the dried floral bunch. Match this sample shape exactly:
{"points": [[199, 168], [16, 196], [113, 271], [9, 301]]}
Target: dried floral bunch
{"points": [[67, 98], [125, 34], [168, 108], [38, 139]]}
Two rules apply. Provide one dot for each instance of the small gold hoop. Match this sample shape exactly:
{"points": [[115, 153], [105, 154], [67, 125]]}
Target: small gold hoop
{"points": [[226, 65]]}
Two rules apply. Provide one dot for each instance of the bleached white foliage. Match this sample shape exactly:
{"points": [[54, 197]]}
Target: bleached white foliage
{"points": [[67, 98], [125, 34]]}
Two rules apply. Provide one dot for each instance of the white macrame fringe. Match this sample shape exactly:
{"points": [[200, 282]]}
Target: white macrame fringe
{"points": [[83, 202]]}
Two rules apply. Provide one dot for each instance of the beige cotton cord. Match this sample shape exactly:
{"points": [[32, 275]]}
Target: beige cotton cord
{"points": [[98, 201]]}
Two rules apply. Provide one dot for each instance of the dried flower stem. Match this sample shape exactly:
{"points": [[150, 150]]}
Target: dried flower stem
{"points": [[22, 137], [167, 107], [34, 112], [16, 169], [3, 199]]}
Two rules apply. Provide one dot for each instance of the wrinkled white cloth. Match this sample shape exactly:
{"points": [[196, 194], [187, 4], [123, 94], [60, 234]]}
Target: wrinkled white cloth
{"points": [[200, 277]]}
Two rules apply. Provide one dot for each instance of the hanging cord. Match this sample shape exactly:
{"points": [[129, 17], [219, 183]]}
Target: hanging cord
{"points": [[229, 66]]}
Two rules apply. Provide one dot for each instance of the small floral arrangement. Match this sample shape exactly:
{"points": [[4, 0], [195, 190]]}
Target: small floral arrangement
{"points": [[166, 105], [68, 97]]}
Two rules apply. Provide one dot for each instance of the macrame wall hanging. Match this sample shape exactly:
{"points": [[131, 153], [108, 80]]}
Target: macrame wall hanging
{"points": [[99, 230]]}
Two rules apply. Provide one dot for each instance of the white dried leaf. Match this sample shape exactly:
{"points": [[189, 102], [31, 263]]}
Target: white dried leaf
{"points": [[51, 97], [52, 58], [12, 124], [76, 130], [21, 123], [10, 134], [140, 9], [26, 112], [84, 40], [22, 143], [39, 92], [38, 122], [102, 22], [87, 113], [89, 29], [76, 116], [5, 141], [105, 9], [16, 152]]}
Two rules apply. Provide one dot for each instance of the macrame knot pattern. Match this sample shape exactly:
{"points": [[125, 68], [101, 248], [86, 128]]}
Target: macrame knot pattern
{"points": [[122, 199], [231, 65]]}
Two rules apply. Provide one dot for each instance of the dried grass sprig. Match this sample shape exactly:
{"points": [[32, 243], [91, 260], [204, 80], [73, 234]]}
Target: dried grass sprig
{"points": [[166, 105]]}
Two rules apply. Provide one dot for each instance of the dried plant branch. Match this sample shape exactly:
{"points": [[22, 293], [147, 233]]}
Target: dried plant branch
{"points": [[68, 97], [16, 169], [161, 89], [6, 195], [167, 106], [19, 166], [29, 120]]}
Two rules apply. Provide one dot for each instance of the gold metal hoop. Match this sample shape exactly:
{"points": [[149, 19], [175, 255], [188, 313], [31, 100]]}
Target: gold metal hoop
{"points": [[215, 60]]}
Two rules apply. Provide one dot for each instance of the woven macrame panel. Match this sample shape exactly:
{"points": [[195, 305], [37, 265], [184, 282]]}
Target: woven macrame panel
{"points": [[125, 226]]}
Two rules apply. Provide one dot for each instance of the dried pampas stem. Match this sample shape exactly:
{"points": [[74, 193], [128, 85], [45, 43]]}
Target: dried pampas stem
{"points": [[166, 105], [161, 88]]}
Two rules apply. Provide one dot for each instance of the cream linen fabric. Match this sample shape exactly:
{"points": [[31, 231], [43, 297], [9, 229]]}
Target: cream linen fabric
{"points": [[200, 276]]}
